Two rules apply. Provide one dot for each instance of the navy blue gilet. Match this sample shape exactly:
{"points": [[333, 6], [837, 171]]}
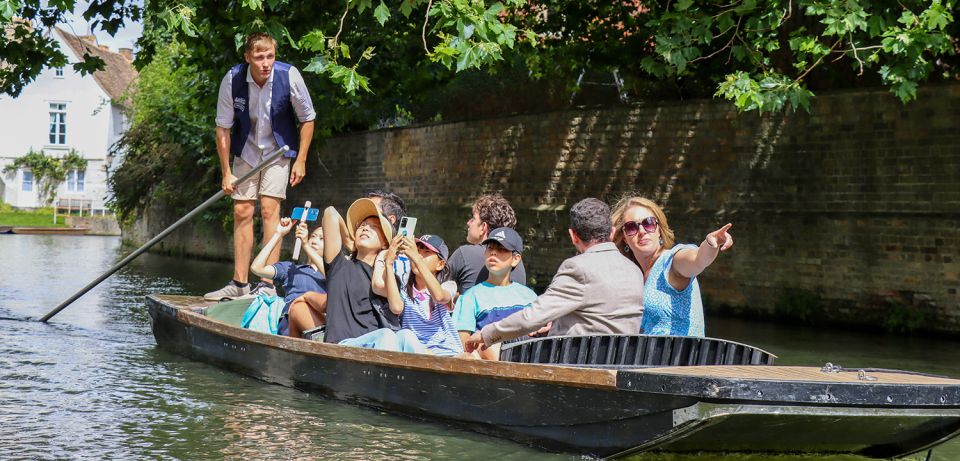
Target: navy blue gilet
{"points": [[282, 116]]}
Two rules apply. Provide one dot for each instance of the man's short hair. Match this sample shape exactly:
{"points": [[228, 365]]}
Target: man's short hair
{"points": [[590, 219], [390, 208], [382, 194], [254, 38], [496, 211], [390, 205]]}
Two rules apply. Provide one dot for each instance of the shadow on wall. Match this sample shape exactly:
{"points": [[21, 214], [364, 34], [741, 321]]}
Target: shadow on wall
{"points": [[815, 198]]}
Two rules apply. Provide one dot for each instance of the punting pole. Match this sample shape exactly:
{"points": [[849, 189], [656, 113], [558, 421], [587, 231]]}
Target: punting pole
{"points": [[146, 246], [303, 218]]}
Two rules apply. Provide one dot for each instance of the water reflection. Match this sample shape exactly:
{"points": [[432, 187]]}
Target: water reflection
{"points": [[92, 383]]}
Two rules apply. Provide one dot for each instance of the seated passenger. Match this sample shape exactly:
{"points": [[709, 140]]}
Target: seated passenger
{"points": [[467, 262], [296, 279], [671, 295], [497, 297], [424, 304], [596, 292], [356, 316]]}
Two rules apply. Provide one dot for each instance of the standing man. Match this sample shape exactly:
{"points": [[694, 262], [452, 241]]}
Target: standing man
{"points": [[467, 263], [259, 106]]}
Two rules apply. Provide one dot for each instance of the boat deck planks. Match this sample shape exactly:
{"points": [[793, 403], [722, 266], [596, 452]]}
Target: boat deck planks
{"points": [[792, 373]]}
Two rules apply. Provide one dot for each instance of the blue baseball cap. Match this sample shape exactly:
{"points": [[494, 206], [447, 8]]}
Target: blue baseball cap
{"points": [[506, 237]]}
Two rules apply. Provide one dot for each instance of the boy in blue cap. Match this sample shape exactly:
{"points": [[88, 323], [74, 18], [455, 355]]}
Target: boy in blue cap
{"points": [[497, 297]]}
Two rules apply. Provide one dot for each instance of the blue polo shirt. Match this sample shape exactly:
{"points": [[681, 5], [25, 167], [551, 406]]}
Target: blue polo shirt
{"points": [[297, 279], [484, 304]]}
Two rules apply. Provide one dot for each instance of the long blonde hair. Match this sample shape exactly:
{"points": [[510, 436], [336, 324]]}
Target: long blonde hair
{"points": [[620, 210]]}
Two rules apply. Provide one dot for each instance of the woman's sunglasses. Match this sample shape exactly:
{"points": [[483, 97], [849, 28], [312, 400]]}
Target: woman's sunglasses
{"points": [[649, 224]]}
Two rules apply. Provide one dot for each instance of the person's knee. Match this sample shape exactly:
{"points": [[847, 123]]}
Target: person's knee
{"points": [[388, 341], [243, 211], [269, 208]]}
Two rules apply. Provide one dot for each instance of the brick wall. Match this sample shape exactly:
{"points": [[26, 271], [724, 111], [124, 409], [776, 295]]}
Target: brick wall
{"points": [[849, 213]]}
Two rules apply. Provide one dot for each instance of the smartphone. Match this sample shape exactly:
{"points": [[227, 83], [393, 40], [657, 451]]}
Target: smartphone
{"points": [[407, 226], [311, 215]]}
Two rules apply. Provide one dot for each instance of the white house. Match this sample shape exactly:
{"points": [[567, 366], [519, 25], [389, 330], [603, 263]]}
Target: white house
{"points": [[63, 110]]}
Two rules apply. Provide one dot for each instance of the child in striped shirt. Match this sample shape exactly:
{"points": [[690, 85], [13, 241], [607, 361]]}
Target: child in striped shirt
{"points": [[424, 305]]}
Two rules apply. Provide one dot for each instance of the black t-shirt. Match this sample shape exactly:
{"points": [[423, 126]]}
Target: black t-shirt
{"points": [[352, 308], [468, 269]]}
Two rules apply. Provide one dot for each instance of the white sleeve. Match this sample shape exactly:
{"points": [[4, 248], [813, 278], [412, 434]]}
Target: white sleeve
{"points": [[300, 97], [225, 102]]}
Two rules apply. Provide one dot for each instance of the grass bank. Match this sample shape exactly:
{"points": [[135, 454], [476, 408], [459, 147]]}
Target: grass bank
{"points": [[42, 217]]}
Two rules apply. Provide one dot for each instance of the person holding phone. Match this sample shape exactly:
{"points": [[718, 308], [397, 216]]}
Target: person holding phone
{"points": [[424, 305], [297, 280]]}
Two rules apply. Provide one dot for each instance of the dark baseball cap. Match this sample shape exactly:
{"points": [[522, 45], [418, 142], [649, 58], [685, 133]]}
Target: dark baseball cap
{"points": [[507, 237], [435, 244]]}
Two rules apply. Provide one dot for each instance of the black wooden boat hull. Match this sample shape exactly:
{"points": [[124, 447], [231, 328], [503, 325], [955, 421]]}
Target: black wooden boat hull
{"points": [[590, 411]]}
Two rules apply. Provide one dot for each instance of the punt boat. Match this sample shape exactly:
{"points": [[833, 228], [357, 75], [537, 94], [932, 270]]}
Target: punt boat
{"points": [[605, 396]]}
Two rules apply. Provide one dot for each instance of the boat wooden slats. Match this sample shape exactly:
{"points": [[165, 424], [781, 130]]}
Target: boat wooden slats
{"points": [[632, 351], [804, 374], [567, 376]]}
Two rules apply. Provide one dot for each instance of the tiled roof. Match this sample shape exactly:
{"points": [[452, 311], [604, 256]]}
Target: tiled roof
{"points": [[117, 74]]}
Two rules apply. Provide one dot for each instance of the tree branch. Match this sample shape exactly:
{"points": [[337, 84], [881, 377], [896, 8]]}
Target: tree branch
{"points": [[423, 33], [804, 74], [336, 38], [729, 43]]}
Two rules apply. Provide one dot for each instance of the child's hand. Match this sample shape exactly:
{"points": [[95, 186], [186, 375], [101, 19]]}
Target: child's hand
{"points": [[475, 343], [302, 232], [284, 227], [409, 248], [393, 250]]}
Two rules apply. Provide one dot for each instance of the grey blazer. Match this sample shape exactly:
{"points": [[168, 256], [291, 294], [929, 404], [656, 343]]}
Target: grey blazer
{"points": [[596, 292]]}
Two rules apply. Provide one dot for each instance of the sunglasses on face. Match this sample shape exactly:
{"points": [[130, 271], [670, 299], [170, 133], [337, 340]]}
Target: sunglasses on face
{"points": [[649, 225]]}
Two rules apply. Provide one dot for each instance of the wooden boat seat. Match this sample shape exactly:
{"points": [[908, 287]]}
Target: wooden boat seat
{"points": [[633, 351]]}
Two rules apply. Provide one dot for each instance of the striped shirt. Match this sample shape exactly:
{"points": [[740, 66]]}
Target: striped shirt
{"points": [[433, 327]]}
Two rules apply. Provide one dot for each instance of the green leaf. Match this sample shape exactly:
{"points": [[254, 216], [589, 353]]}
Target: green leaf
{"points": [[683, 5], [253, 4], [344, 50], [318, 65], [381, 13], [8, 9], [314, 41], [406, 7], [905, 90]]}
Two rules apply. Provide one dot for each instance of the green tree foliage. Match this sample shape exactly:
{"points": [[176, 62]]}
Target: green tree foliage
{"points": [[758, 54], [168, 152], [48, 171], [27, 46]]}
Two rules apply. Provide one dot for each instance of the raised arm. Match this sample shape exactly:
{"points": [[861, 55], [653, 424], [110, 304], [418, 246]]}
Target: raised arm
{"points": [[333, 230], [437, 293], [390, 277], [259, 265], [315, 258], [689, 263]]}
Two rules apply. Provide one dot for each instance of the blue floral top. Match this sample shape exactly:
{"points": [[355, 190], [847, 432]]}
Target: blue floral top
{"points": [[667, 311]]}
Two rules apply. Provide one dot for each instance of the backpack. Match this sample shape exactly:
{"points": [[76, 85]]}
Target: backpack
{"points": [[264, 314]]}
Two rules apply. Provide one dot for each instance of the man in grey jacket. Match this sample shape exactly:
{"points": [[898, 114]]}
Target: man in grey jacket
{"points": [[599, 291]]}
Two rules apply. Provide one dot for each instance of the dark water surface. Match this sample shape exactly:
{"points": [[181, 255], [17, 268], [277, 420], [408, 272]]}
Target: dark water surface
{"points": [[93, 385]]}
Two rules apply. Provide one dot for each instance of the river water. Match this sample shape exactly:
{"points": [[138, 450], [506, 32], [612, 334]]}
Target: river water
{"points": [[92, 384]]}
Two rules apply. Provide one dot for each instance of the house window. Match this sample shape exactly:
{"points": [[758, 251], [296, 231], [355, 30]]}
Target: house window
{"points": [[58, 123], [75, 181], [58, 71], [27, 181]]}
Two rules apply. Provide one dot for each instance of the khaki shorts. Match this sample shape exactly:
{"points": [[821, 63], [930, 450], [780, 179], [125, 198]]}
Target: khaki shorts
{"points": [[271, 181]]}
